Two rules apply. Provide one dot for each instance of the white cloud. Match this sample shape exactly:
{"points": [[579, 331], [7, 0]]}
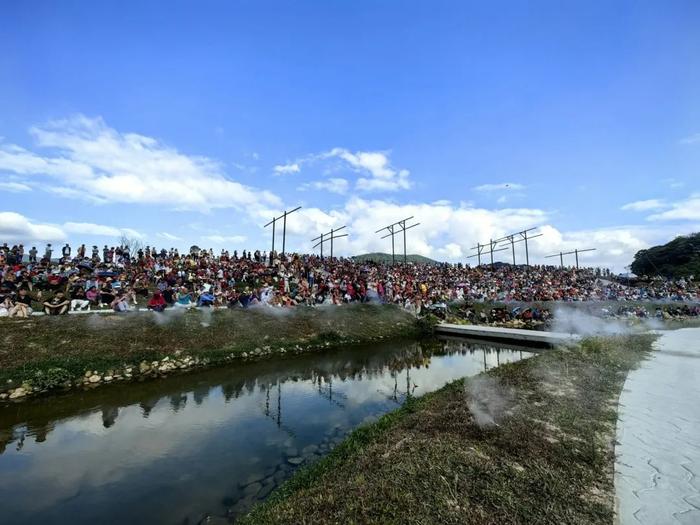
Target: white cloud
{"points": [[285, 169], [14, 187], [333, 184], [169, 236], [15, 227], [501, 186], [645, 205], [88, 228], [225, 239], [93, 161], [686, 210], [691, 139], [374, 167], [380, 175]]}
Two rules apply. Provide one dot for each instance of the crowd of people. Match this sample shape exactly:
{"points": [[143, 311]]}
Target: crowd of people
{"points": [[123, 278]]}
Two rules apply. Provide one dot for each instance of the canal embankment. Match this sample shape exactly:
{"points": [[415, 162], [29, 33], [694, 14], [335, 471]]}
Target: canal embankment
{"points": [[527, 442], [54, 354]]}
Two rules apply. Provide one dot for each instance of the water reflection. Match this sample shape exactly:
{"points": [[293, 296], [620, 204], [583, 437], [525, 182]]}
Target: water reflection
{"points": [[215, 441]]}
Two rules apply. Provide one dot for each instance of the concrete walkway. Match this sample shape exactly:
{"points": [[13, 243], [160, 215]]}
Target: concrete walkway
{"points": [[657, 471], [516, 335]]}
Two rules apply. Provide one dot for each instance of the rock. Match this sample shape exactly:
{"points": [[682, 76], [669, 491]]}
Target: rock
{"points": [[310, 449], [258, 351], [252, 489], [95, 378], [265, 490], [144, 367], [291, 451], [18, 392], [108, 378], [245, 354], [88, 373], [128, 371], [295, 460]]}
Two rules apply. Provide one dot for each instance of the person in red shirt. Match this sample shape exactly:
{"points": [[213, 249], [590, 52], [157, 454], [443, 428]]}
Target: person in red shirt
{"points": [[157, 302]]}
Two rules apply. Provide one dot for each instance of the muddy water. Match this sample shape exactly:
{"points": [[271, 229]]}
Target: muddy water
{"points": [[212, 442]]}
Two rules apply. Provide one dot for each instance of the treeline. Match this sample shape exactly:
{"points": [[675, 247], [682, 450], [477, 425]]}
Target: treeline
{"points": [[678, 258]]}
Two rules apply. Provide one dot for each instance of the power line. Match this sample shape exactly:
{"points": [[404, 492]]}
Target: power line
{"points": [[396, 228], [284, 228], [562, 254], [330, 236]]}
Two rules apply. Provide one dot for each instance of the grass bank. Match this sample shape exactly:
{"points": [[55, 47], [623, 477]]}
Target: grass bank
{"points": [[536, 447], [46, 353]]}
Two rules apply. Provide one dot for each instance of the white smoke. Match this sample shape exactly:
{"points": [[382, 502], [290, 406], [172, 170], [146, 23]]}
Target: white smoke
{"points": [[487, 400]]}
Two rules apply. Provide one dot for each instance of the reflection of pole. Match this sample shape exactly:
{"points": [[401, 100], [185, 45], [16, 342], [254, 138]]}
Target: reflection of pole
{"points": [[279, 404], [498, 357], [267, 401], [484, 351]]}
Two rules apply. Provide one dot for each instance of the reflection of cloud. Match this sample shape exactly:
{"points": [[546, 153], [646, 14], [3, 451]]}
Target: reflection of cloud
{"points": [[182, 457]]}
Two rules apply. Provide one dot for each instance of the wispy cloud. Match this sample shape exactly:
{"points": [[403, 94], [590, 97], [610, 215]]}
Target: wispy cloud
{"points": [[333, 185], [98, 163], [89, 228], [685, 210], [14, 187], [169, 236], [375, 169], [225, 239], [691, 139], [286, 169], [645, 205]]}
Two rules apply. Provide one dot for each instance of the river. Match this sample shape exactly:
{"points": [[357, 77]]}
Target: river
{"points": [[211, 442]]}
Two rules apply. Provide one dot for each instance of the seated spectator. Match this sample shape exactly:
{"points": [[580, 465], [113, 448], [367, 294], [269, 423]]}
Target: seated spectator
{"points": [[157, 302], [5, 305], [79, 300], [57, 305], [107, 295], [93, 296], [184, 299], [120, 303], [206, 298], [22, 304]]}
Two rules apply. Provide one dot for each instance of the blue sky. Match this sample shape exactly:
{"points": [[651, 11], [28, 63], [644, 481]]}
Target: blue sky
{"points": [[188, 123]]}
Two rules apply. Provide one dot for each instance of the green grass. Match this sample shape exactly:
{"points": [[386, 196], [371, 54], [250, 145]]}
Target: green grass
{"points": [[100, 342], [549, 459]]}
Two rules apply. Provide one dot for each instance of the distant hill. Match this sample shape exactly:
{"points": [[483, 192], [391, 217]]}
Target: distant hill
{"points": [[677, 258], [386, 258]]}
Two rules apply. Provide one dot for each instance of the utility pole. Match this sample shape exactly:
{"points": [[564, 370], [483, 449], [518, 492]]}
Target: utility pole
{"points": [[393, 229], [330, 236], [284, 228], [575, 252]]}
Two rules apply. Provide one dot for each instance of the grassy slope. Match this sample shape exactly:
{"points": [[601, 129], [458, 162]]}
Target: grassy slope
{"points": [[86, 342], [549, 461]]}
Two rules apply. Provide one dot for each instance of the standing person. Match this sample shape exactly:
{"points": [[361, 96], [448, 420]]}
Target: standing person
{"points": [[81, 252], [95, 254], [32, 255], [66, 252], [105, 254], [48, 252]]}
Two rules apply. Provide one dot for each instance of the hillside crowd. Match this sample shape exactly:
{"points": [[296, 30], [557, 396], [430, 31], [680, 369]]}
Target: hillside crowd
{"points": [[122, 279]]}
